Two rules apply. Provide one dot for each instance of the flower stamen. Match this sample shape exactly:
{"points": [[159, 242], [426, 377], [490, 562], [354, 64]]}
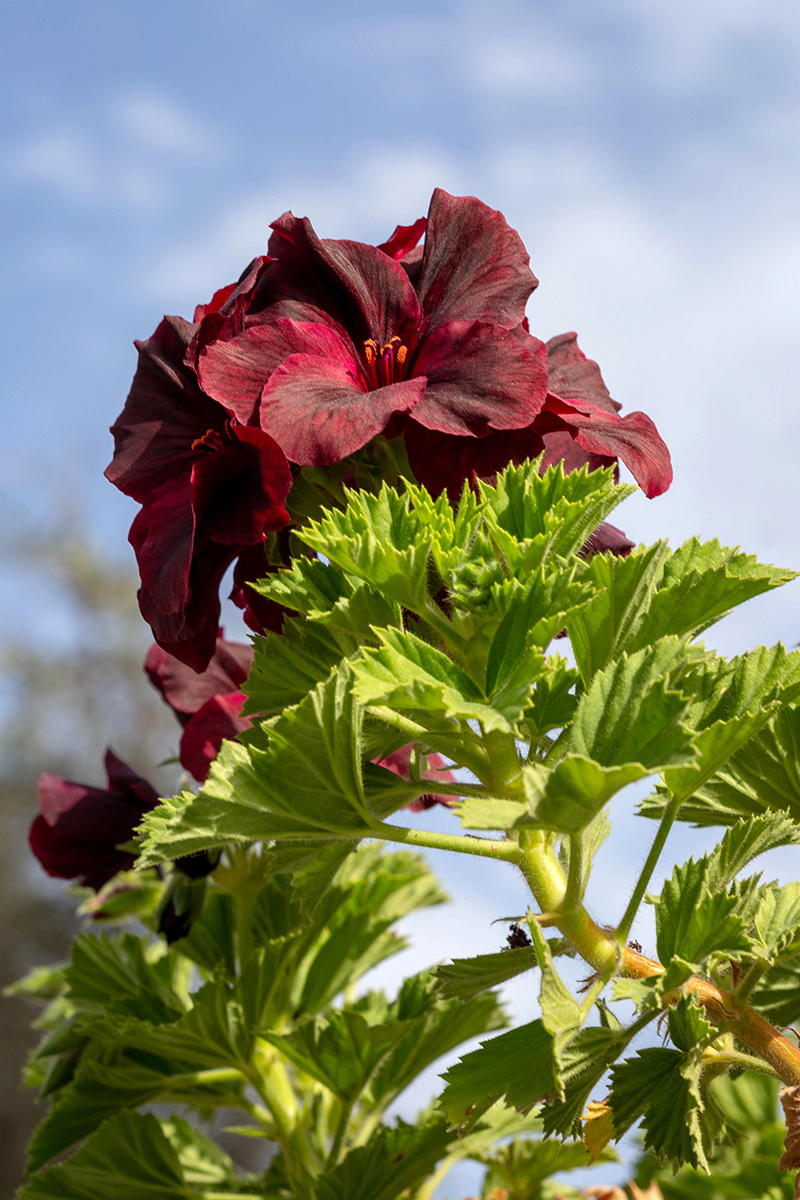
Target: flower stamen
{"points": [[385, 363]]}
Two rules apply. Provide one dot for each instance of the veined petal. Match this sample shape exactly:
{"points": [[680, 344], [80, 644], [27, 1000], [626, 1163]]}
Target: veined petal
{"points": [[480, 377], [573, 376], [318, 414], [217, 719], [444, 463], [190, 633], [475, 266], [239, 489], [184, 690], [633, 438], [162, 535], [164, 413], [404, 239]]}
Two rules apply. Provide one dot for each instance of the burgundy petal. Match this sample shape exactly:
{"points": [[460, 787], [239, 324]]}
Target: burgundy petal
{"points": [[184, 690], [318, 413], [163, 415], [608, 538], [81, 827], [240, 486], [380, 300], [480, 377], [573, 376], [475, 267], [398, 762], [633, 438], [235, 369], [442, 462], [560, 446], [162, 535], [404, 239], [217, 719], [259, 612], [190, 633]]}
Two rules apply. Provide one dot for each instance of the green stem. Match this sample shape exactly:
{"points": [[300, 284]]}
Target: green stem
{"points": [[749, 982], [503, 849], [276, 1092], [574, 889], [727, 1059], [338, 1137], [667, 820]]}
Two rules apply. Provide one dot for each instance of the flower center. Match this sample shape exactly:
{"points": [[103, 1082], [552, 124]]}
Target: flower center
{"points": [[214, 439], [385, 364]]}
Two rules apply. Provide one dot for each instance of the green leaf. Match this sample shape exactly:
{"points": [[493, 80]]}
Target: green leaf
{"points": [[764, 775], [584, 1062], [688, 1024], [478, 813], [714, 746], [101, 1089], [561, 1013], [306, 784], [392, 1164], [534, 518], [662, 1086], [42, 983], [519, 1066], [341, 1051], [523, 1165], [553, 702], [629, 714], [378, 539], [464, 978], [697, 917], [649, 993], [625, 588], [407, 673], [777, 922], [701, 582], [287, 666], [568, 798], [537, 611], [129, 1158], [202, 1161], [777, 996], [116, 975]]}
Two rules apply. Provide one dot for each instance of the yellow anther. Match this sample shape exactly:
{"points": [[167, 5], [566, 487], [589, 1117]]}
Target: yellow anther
{"points": [[402, 355]]}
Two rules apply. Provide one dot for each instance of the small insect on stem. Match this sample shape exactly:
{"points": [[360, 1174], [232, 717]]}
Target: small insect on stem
{"points": [[517, 937]]}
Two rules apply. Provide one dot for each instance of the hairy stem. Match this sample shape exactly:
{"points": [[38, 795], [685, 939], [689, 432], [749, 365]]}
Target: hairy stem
{"points": [[502, 849], [667, 820], [601, 950]]}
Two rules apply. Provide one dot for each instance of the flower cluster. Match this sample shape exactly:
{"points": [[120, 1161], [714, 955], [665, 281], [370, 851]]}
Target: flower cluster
{"points": [[320, 348]]}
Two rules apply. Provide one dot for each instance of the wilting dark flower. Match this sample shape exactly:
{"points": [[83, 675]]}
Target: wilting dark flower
{"points": [[81, 828], [208, 705], [209, 485], [398, 762], [323, 342]]}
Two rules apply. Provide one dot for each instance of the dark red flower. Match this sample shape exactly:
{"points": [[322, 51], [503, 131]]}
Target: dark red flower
{"points": [[324, 342], [209, 486], [186, 691], [219, 718], [398, 762], [208, 704], [578, 425], [81, 828]]}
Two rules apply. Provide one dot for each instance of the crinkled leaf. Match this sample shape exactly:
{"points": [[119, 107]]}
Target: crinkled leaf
{"points": [[630, 713], [777, 922], [536, 612], [649, 993], [585, 1060], [701, 582], [624, 589], [687, 1023], [569, 797], [129, 1158], [306, 784], [519, 1065], [341, 1051], [464, 978], [553, 701], [286, 667], [202, 1161], [662, 1087], [392, 1164], [561, 1013], [407, 673], [696, 916], [487, 813], [115, 974]]}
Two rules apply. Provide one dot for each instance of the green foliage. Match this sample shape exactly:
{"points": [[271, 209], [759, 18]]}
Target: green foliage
{"points": [[426, 625]]}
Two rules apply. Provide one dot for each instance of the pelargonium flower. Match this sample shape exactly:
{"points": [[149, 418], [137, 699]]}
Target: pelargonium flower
{"points": [[328, 343], [399, 761], [80, 829], [208, 704], [210, 486]]}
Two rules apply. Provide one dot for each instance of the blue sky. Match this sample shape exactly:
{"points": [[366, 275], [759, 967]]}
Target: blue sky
{"points": [[649, 154]]}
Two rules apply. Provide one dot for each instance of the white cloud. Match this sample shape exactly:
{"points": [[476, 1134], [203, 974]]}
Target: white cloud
{"points": [[508, 64], [162, 125], [61, 160]]}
